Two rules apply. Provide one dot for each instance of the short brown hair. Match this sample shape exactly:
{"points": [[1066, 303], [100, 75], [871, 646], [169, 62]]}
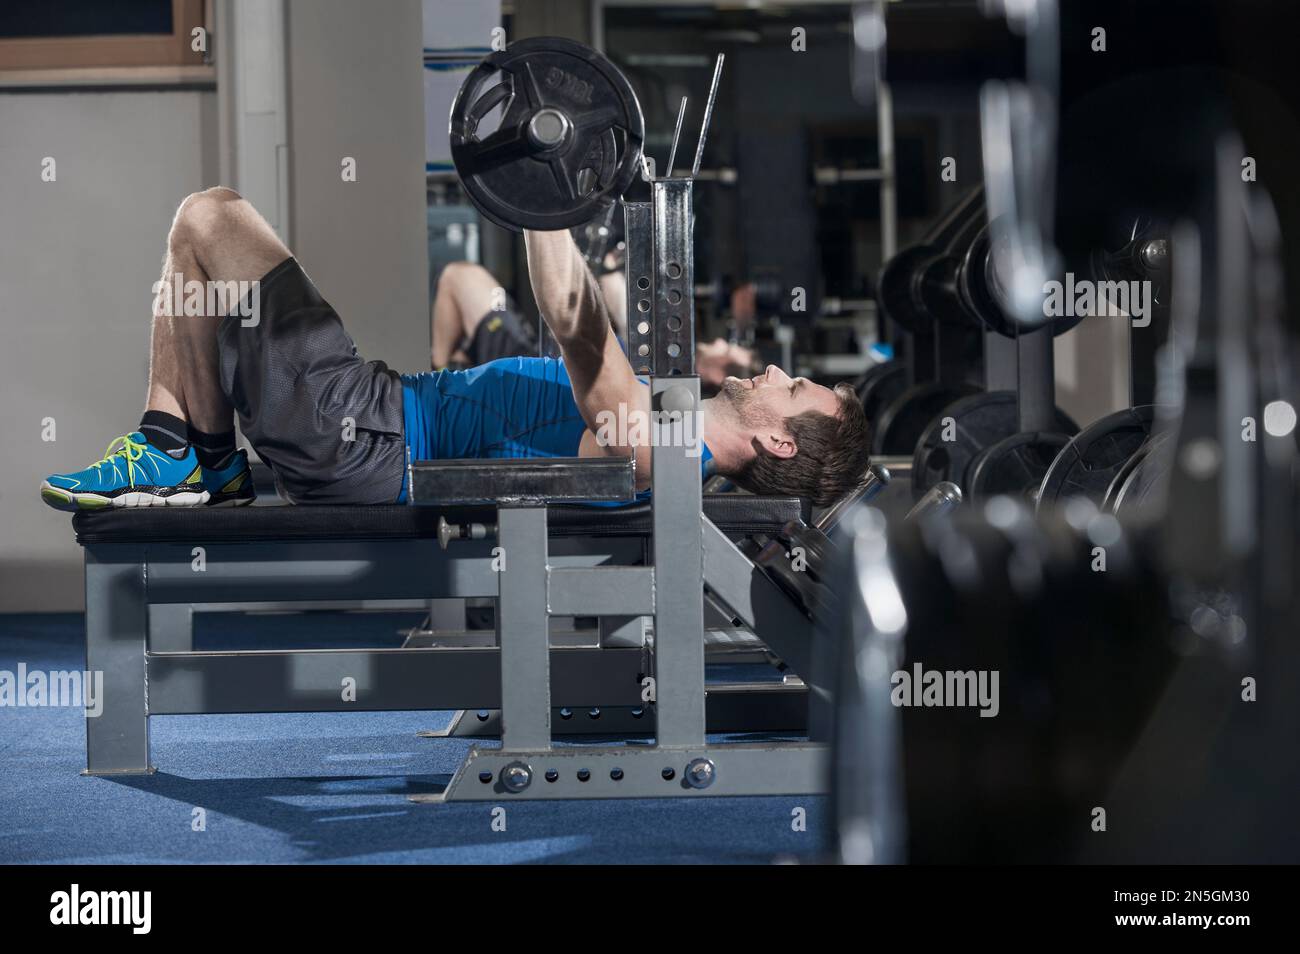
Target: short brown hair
{"points": [[831, 458]]}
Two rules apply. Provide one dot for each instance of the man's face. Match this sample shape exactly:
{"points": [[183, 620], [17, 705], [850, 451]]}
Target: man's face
{"points": [[774, 395]]}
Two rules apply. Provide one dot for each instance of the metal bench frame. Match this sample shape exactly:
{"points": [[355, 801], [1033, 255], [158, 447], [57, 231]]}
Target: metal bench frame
{"points": [[138, 634]]}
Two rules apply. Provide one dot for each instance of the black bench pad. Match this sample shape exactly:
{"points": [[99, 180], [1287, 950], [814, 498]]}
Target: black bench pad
{"points": [[732, 513]]}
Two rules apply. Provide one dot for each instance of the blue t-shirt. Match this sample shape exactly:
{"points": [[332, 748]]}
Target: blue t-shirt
{"points": [[508, 408]]}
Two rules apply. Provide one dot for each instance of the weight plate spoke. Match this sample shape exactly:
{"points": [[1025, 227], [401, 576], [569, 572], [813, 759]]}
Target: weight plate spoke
{"points": [[603, 119], [564, 176], [504, 145], [488, 102], [532, 92]]}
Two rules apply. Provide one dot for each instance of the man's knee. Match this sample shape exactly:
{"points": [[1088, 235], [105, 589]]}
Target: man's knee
{"points": [[458, 275], [203, 213]]}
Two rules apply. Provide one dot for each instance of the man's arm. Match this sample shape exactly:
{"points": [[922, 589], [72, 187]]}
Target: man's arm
{"points": [[571, 304], [613, 289]]}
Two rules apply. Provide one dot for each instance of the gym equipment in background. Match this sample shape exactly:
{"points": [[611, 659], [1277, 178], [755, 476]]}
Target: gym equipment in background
{"points": [[1127, 620]]}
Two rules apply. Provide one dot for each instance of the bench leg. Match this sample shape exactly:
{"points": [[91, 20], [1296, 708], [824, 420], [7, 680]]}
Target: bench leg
{"points": [[523, 631], [117, 619]]}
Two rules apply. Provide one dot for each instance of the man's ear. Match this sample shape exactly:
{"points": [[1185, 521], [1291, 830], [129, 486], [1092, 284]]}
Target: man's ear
{"points": [[777, 444]]}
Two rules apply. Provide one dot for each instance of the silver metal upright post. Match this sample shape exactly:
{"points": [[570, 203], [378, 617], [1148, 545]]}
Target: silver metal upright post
{"points": [[678, 544]]}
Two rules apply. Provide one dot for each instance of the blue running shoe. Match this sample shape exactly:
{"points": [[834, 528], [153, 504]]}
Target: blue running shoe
{"points": [[133, 473], [230, 483]]}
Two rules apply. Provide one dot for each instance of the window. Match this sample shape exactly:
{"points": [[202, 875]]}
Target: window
{"points": [[94, 35]]}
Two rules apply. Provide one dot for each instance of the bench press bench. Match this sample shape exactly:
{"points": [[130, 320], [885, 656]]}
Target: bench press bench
{"points": [[137, 559]]}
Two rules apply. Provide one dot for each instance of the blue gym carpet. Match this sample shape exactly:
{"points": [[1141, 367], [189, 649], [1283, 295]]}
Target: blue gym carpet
{"points": [[331, 788]]}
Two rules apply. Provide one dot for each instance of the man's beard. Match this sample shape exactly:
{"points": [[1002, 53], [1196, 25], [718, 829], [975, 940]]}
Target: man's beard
{"points": [[742, 405]]}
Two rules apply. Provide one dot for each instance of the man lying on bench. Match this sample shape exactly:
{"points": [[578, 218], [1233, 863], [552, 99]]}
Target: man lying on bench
{"points": [[337, 429]]}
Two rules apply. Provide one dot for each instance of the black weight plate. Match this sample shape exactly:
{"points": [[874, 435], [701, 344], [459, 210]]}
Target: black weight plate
{"points": [[516, 179], [813, 543], [879, 386], [898, 288], [1140, 488], [775, 560], [975, 291], [937, 290], [1014, 465], [982, 294], [1125, 259], [1121, 475], [903, 420], [1087, 465], [1152, 444], [979, 421]]}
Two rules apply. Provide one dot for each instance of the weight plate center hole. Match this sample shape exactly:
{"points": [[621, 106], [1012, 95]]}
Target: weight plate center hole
{"points": [[547, 128]]}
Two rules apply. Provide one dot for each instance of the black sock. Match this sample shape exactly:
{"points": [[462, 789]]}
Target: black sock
{"points": [[164, 431], [212, 449]]}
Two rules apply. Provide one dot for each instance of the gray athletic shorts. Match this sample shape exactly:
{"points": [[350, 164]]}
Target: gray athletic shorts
{"points": [[327, 422]]}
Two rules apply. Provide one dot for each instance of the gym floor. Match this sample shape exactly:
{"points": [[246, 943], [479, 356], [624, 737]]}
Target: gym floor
{"points": [[332, 788]]}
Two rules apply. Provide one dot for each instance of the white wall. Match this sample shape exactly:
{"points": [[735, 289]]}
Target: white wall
{"points": [[78, 257], [1092, 369], [356, 88]]}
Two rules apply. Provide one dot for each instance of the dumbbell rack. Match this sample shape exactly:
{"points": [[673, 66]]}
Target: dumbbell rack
{"points": [[689, 556]]}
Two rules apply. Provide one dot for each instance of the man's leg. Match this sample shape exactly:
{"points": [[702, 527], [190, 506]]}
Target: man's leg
{"points": [[466, 292], [187, 455], [216, 236], [328, 422]]}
